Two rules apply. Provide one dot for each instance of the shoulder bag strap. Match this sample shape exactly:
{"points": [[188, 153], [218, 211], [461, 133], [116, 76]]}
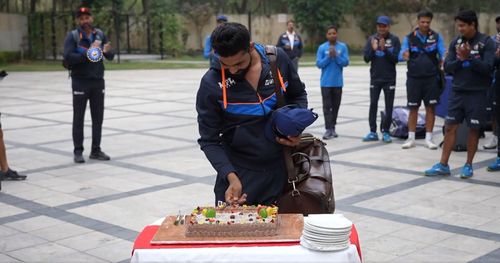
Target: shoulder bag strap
{"points": [[272, 54]]}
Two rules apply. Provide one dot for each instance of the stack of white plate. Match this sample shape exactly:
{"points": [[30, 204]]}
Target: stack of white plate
{"points": [[326, 232]]}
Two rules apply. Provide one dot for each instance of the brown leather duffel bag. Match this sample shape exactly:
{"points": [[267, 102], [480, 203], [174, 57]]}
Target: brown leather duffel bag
{"points": [[309, 189]]}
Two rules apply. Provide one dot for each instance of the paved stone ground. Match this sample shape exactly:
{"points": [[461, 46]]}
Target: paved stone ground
{"points": [[93, 212]]}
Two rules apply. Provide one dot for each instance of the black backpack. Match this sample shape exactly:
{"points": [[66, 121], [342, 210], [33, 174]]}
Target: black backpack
{"points": [[76, 39]]}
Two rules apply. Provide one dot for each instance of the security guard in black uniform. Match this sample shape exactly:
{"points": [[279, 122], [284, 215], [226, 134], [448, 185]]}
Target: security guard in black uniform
{"points": [[84, 48]]}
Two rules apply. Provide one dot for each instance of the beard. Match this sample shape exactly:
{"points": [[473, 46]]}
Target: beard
{"points": [[86, 26], [240, 75]]}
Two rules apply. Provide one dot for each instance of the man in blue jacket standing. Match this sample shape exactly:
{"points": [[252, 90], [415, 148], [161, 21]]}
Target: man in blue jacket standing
{"points": [[424, 50], [87, 81], [331, 58], [234, 102], [207, 49], [470, 60], [492, 94], [495, 166], [382, 50]]}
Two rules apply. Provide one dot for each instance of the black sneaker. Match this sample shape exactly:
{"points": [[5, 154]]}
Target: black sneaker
{"points": [[328, 134], [335, 135], [13, 175], [100, 155], [78, 158]]}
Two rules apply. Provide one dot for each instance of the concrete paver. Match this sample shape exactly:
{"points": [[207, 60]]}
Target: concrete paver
{"points": [[157, 168]]}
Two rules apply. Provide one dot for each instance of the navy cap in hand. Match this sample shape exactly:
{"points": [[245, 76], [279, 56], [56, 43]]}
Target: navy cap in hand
{"points": [[288, 121]]}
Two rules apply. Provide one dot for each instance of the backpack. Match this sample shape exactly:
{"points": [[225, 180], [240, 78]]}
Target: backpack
{"points": [[399, 125], [460, 137], [76, 39]]}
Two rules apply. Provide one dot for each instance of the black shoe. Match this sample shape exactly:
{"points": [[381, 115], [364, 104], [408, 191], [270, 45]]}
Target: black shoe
{"points": [[78, 158], [3, 74], [335, 135], [100, 155], [328, 134], [13, 175]]}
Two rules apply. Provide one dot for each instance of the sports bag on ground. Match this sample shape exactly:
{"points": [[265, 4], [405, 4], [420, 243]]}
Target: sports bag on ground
{"points": [[399, 124]]}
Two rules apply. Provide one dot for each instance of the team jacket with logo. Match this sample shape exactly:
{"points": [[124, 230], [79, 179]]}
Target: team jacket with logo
{"points": [[297, 45], [474, 73], [496, 78], [425, 53], [76, 55], [332, 67], [235, 134], [383, 62]]}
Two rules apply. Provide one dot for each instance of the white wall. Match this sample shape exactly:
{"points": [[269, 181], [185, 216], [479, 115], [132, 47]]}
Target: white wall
{"points": [[12, 30]]}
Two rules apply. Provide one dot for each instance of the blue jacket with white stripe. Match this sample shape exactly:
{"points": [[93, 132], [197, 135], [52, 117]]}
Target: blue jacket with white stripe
{"points": [[235, 135]]}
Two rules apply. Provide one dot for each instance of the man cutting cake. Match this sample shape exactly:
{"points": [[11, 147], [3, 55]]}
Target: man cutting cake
{"points": [[235, 101]]}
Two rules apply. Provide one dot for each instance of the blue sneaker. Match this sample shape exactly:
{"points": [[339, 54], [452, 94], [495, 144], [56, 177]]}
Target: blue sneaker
{"points": [[494, 166], [467, 171], [371, 137], [386, 137], [438, 169]]}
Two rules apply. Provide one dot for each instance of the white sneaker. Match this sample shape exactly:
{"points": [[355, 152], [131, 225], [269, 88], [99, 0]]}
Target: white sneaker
{"points": [[408, 144], [431, 145], [492, 144]]}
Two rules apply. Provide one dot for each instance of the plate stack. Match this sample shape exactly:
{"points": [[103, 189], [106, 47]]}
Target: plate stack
{"points": [[326, 232]]}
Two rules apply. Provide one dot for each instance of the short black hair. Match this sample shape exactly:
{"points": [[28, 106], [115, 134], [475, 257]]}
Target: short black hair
{"points": [[332, 27], [425, 13], [468, 17], [230, 38], [497, 19]]}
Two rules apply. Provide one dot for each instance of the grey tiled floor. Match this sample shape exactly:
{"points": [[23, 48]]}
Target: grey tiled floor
{"points": [[93, 212]]}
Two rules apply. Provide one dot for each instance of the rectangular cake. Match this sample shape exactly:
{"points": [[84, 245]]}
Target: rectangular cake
{"points": [[233, 221]]}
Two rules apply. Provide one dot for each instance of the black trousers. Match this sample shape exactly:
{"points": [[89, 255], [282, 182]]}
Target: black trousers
{"points": [[332, 97], [389, 92], [497, 112], [84, 90]]}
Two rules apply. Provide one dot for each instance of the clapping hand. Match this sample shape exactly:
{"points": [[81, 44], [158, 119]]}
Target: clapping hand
{"points": [[107, 47], [374, 44], [332, 52], [382, 43], [96, 44], [406, 55], [463, 51]]}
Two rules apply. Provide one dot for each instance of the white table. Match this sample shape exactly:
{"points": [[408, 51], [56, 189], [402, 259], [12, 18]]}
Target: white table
{"points": [[290, 253]]}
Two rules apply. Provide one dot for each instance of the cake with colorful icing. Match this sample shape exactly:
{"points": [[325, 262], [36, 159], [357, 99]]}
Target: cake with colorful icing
{"points": [[233, 221]]}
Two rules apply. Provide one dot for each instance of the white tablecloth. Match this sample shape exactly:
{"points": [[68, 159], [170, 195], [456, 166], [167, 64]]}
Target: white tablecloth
{"points": [[244, 254], [274, 254]]}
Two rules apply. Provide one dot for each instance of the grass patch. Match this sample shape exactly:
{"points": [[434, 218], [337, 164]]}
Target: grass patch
{"points": [[124, 65], [186, 62]]}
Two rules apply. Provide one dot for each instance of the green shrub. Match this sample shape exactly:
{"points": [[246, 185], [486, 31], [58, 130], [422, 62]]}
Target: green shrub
{"points": [[9, 56]]}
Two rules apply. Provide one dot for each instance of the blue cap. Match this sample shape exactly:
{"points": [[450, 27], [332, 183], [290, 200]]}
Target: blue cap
{"points": [[288, 121], [385, 20], [222, 18]]}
